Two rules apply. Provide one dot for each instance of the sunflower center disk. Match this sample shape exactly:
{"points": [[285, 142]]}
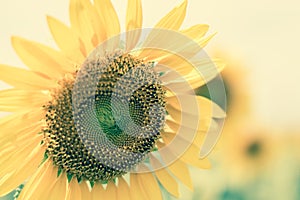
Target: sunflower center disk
{"points": [[103, 122]]}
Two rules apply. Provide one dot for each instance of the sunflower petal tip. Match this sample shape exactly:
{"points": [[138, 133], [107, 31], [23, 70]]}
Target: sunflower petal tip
{"points": [[190, 185], [212, 36], [220, 114], [14, 39], [49, 19], [184, 4]]}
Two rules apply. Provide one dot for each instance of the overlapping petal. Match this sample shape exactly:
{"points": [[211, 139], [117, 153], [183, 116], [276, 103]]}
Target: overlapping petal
{"points": [[41, 58], [25, 79], [92, 24], [66, 40], [17, 99], [108, 17], [11, 180], [134, 20], [164, 177]]}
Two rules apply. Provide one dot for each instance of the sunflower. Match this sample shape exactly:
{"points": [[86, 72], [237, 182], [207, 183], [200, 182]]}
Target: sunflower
{"points": [[250, 151], [238, 96], [107, 115], [235, 78]]}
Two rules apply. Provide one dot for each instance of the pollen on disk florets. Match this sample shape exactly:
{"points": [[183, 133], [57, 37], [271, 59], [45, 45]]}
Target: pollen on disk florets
{"points": [[104, 120]]}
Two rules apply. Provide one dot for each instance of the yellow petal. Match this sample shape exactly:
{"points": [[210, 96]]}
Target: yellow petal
{"points": [[180, 67], [26, 79], [182, 141], [191, 157], [87, 23], [15, 138], [190, 123], [205, 70], [59, 189], [123, 191], [158, 39], [206, 107], [108, 17], [175, 125], [192, 152], [97, 192], [150, 186], [163, 44], [24, 169], [199, 74], [196, 31], [15, 99], [211, 137], [188, 134], [189, 153], [204, 41], [80, 24], [40, 182], [188, 158], [12, 160], [178, 64], [174, 18], [4, 190], [11, 141], [41, 58], [66, 39], [111, 191], [136, 192], [134, 20], [12, 125], [85, 191], [74, 190], [186, 119], [45, 183], [180, 170], [185, 110], [168, 182], [99, 28], [175, 147]]}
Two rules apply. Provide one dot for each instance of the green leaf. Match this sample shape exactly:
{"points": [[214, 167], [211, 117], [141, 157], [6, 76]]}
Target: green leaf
{"points": [[69, 176], [45, 158], [59, 171], [92, 183], [79, 179]]}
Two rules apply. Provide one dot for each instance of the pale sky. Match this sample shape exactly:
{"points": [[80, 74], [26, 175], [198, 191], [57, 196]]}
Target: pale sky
{"points": [[264, 35]]}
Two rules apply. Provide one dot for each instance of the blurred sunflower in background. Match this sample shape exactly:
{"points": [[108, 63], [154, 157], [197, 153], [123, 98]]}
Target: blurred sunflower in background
{"points": [[238, 96], [245, 146], [250, 157], [71, 136], [258, 163], [230, 150], [249, 151]]}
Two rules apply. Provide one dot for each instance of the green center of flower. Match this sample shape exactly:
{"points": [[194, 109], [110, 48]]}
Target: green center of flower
{"points": [[254, 149], [103, 121]]}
